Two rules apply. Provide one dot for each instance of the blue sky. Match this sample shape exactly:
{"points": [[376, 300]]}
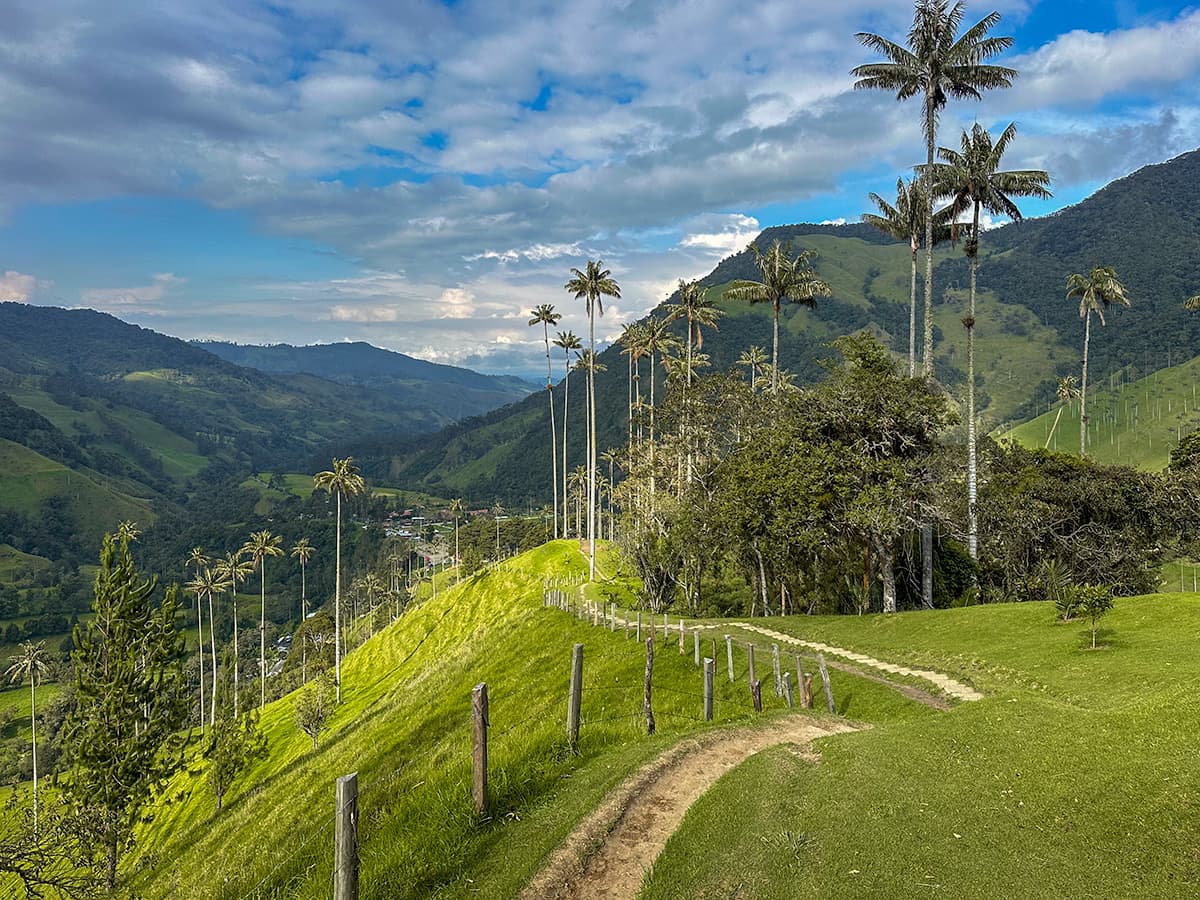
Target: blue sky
{"points": [[419, 174]]}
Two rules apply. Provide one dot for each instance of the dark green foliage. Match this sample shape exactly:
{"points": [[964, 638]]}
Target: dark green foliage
{"points": [[1186, 454], [51, 861], [122, 738]]}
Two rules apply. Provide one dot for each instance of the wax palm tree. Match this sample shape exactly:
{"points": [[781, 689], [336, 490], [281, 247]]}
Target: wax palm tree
{"points": [[973, 180], [753, 359], [659, 342], [631, 341], [699, 311], [906, 222], [1066, 392], [1097, 291], [936, 65], [203, 586], [456, 510], [303, 551], [567, 341], [545, 316], [128, 531], [233, 570], [341, 480], [32, 663], [198, 560], [261, 545], [592, 285], [784, 277], [1192, 303], [578, 483]]}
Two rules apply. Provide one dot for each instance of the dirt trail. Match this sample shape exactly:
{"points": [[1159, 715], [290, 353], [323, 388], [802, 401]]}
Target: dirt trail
{"points": [[955, 689], [608, 853]]}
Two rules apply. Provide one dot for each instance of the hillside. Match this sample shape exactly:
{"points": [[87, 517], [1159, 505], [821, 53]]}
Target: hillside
{"points": [[452, 392], [1063, 780], [1027, 335]]}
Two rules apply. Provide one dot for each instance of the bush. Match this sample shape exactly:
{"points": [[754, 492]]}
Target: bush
{"points": [[1094, 601]]}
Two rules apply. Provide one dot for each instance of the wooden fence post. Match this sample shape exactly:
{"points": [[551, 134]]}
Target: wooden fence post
{"points": [[576, 695], [709, 666], [775, 668], [696, 646], [639, 626], [729, 655], [681, 637], [787, 689], [646, 707], [756, 695], [750, 657], [626, 626], [612, 617], [479, 716], [345, 839], [806, 697], [825, 681]]}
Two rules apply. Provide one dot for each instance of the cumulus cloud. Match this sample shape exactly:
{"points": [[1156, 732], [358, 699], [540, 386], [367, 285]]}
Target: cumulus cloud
{"points": [[142, 297], [728, 234], [17, 287]]}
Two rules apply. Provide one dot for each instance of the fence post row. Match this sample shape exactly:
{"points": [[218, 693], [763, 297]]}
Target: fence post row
{"points": [[479, 719], [575, 697], [709, 666], [345, 839]]}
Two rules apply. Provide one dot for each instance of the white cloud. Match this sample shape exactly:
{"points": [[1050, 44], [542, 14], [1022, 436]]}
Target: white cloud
{"points": [[840, 220], [17, 287], [456, 303], [731, 233], [143, 297]]}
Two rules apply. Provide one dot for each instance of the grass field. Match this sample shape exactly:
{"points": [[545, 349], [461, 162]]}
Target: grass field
{"points": [[14, 563]]}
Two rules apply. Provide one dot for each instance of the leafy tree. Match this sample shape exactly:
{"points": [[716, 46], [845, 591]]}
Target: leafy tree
{"points": [[261, 545], [342, 480], [233, 744], [313, 706], [544, 315], [1097, 291], [32, 663], [972, 179], [592, 285], [1094, 602], [784, 277], [936, 64], [123, 738]]}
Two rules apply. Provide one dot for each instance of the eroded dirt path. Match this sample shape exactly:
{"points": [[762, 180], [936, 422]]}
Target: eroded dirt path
{"points": [[945, 683], [608, 853]]}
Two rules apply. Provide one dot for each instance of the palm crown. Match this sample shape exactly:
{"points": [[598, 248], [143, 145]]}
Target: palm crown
{"points": [[592, 285], [342, 478], [1097, 291], [905, 221]]}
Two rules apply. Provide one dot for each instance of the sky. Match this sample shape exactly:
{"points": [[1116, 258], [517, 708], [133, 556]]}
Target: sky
{"points": [[418, 174]]}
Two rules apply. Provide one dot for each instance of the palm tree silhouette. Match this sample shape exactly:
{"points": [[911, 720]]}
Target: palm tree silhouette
{"points": [[261, 545], [32, 663], [1097, 291], [342, 480], [567, 341], [545, 316], [233, 570]]}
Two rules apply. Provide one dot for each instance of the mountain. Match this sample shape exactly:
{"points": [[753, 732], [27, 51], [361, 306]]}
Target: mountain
{"points": [[455, 392], [1147, 225]]}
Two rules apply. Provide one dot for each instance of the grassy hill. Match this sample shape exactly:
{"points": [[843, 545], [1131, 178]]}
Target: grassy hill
{"points": [[1070, 779], [1132, 421]]}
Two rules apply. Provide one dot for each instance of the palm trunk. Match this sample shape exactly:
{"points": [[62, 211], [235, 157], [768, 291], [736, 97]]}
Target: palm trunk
{"points": [[629, 428], [652, 472], [337, 603], [1087, 336], [553, 428], [212, 640], [888, 574], [262, 636], [456, 560], [200, 651], [775, 353], [33, 734], [972, 523], [566, 510], [912, 314], [1050, 437], [592, 445], [930, 140], [687, 399], [233, 593]]}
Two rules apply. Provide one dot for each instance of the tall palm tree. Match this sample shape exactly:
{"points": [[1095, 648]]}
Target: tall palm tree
{"points": [[233, 570], [631, 342], [545, 316], [906, 222], [567, 341], [198, 560], [303, 551], [32, 663], [261, 545], [972, 179], [937, 64], [659, 341], [128, 531], [784, 277], [753, 359], [456, 510], [340, 480], [1066, 392], [592, 285], [1097, 291], [208, 582], [694, 305]]}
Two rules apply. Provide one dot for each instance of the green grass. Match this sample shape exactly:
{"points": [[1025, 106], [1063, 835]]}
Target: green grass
{"points": [[14, 562], [1132, 422], [1069, 780], [17, 699]]}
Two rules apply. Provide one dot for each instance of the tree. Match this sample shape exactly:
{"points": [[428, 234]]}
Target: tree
{"points": [[233, 570], [936, 65], [1097, 291], [753, 359], [207, 583], [1192, 303], [784, 277], [54, 858], [198, 560], [660, 341], [544, 315], [632, 340], [700, 312], [972, 179], [906, 222], [261, 545], [592, 285], [341, 480], [1094, 602], [1065, 392], [313, 706], [123, 739], [233, 744], [567, 341], [32, 663], [303, 551]]}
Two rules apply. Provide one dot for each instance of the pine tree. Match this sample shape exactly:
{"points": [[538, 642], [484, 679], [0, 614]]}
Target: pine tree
{"points": [[123, 739]]}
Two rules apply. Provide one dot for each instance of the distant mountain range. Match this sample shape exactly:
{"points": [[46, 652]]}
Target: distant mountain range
{"points": [[1147, 225]]}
